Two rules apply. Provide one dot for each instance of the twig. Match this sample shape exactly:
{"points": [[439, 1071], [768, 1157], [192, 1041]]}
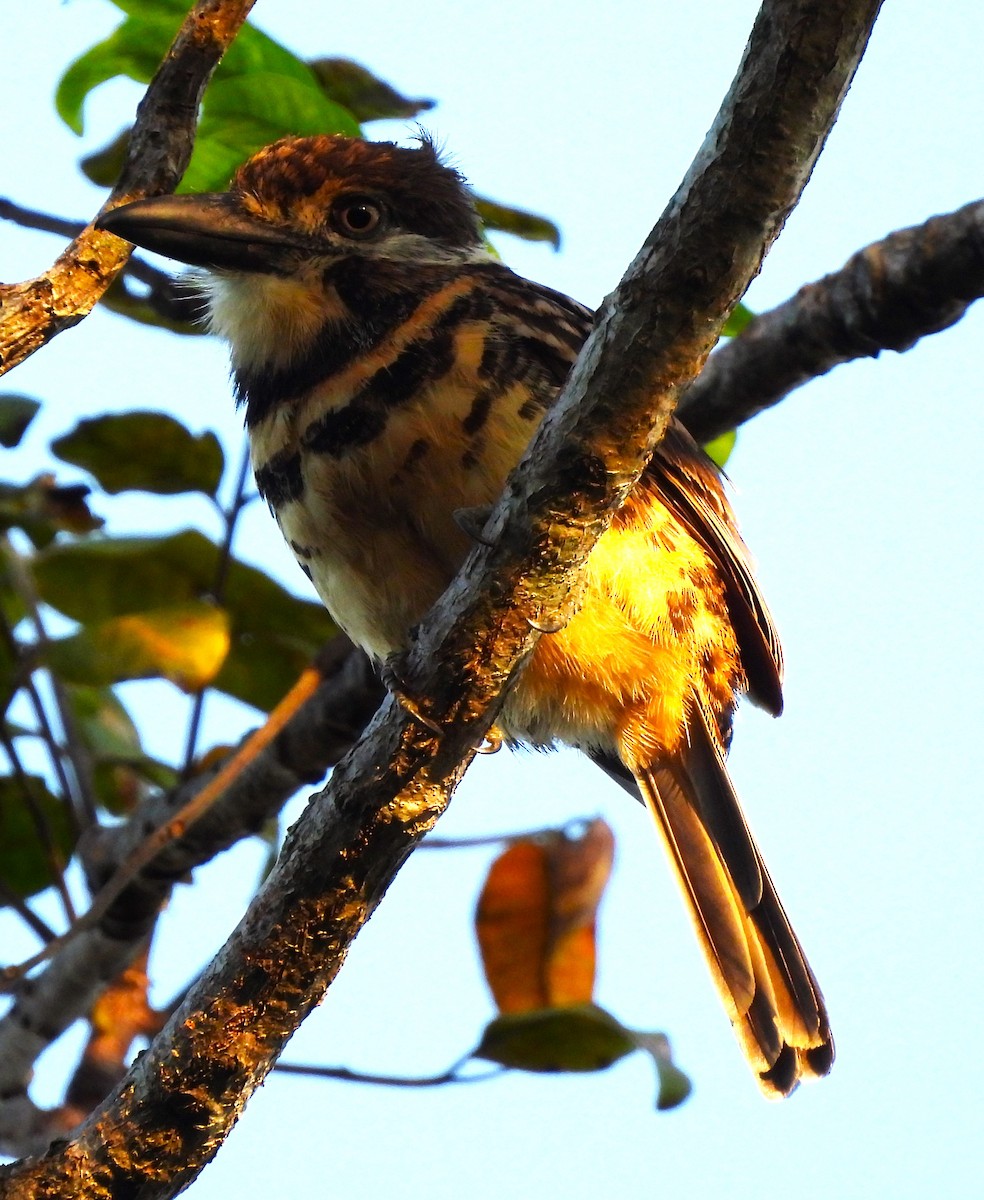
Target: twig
{"points": [[27, 914], [497, 839], [77, 752], [44, 731], [42, 826], [231, 517], [451, 1075], [178, 825], [49, 1002]]}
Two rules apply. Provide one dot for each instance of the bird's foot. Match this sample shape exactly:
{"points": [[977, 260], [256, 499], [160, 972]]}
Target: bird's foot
{"points": [[390, 674], [472, 521]]}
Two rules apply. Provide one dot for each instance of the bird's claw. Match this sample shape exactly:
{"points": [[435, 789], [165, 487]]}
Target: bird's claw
{"points": [[492, 743], [394, 685], [549, 626]]}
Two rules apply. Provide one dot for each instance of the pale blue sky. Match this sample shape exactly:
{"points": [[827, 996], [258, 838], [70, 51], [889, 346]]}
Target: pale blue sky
{"points": [[859, 496]]}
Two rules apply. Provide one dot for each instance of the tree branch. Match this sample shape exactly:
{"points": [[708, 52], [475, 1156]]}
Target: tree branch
{"points": [[886, 297], [45, 1005], [157, 154], [184, 1094]]}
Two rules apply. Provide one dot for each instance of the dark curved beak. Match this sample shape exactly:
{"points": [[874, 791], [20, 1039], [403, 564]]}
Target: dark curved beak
{"points": [[204, 231]]}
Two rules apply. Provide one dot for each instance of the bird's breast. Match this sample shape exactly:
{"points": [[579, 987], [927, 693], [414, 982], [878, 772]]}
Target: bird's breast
{"points": [[366, 471]]}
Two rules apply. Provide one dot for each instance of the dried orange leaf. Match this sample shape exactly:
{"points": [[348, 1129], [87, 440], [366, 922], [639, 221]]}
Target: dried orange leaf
{"points": [[536, 919], [579, 871], [512, 925]]}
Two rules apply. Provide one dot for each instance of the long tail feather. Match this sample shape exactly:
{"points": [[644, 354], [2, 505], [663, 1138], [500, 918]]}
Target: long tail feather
{"points": [[758, 964]]}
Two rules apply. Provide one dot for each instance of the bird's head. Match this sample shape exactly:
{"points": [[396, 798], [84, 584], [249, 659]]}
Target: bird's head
{"points": [[314, 198], [294, 210]]}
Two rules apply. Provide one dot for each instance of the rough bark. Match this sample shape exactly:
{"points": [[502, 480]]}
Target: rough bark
{"points": [[886, 297]]}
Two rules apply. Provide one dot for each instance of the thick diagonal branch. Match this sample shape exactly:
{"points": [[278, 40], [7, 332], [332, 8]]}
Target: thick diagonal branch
{"points": [[184, 1094]]}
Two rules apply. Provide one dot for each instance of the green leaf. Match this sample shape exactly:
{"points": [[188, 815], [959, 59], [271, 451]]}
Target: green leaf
{"points": [[259, 92], [185, 644], [102, 167], [579, 1038], [366, 96], [16, 413], [517, 221], [149, 451], [12, 675], [261, 667], [121, 769], [719, 448], [134, 50], [741, 316], [118, 298], [245, 113], [274, 634], [103, 723], [674, 1085], [24, 863]]}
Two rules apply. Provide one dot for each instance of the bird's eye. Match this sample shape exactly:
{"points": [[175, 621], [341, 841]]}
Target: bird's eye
{"points": [[357, 216]]}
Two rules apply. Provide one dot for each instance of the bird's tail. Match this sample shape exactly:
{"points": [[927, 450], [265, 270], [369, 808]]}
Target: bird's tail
{"points": [[757, 962]]}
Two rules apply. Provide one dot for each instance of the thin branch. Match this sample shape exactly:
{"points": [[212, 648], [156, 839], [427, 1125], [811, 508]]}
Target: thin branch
{"points": [[153, 843], [403, 1081], [32, 218], [157, 154], [887, 296], [348, 846], [42, 826], [497, 839], [451, 1075], [44, 730], [84, 792], [45, 1005], [231, 519], [10, 899]]}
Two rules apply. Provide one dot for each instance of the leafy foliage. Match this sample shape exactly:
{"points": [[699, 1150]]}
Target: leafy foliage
{"points": [[30, 815], [121, 770], [536, 931], [272, 634], [260, 92], [146, 450], [365, 95], [16, 413]]}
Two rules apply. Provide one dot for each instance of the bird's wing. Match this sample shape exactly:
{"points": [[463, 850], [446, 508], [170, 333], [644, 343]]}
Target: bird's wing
{"points": [[553, 328]]}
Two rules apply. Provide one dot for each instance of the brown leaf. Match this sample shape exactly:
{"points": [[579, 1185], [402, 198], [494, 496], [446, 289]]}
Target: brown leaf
{"points": [[512, 925], [536, 919]]}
